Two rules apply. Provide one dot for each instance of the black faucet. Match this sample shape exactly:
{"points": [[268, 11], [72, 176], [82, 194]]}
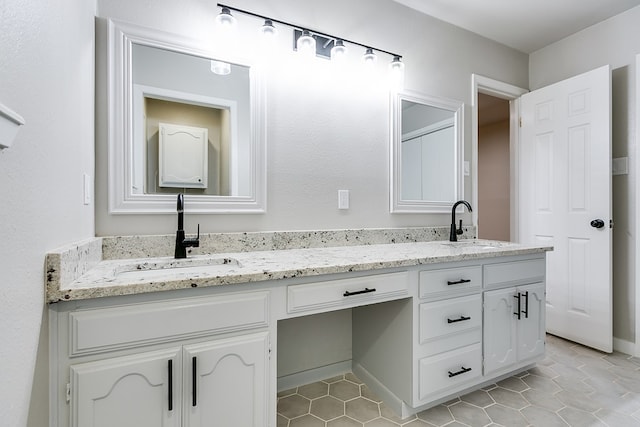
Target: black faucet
{"points": [[453, 235], [183, 243]]}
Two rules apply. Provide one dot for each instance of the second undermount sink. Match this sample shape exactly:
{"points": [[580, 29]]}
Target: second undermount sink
{"points": [[157, 268]]}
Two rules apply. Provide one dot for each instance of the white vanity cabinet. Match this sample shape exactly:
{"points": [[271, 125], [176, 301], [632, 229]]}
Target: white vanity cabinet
{"points": [[181, 362], [509, 337], [514, 316]]}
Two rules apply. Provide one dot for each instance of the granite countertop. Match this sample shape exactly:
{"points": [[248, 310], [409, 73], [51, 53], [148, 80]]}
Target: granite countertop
{"points": [[114, 277]]}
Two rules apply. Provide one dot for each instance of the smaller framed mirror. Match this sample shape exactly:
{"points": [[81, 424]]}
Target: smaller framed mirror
{"points": [[183, 118], [427, 155]]}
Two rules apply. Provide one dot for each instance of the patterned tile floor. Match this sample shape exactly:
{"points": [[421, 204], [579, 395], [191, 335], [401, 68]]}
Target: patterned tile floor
{"points": [[573, 386]]}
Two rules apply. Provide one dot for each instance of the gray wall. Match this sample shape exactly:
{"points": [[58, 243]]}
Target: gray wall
{"points": [[615, 41], [326, 130], [47, 76]]}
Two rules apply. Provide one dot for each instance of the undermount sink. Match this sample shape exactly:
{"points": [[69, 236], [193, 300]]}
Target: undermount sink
{"points": [[479, 244], [188, 266]]}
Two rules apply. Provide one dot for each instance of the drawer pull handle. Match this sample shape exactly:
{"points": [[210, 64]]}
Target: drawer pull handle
{"points": [[364, 291], [194, 379], [170, 369], [461, 319], [519, 310], [462, 370], [458, 282]]}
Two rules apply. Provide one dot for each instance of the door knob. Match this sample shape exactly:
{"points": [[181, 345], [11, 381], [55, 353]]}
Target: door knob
{"points": [[597, 223]]}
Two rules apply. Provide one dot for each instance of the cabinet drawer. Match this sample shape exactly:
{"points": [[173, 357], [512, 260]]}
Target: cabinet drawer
{"points": [[111, 328], [442, 318], [434, 282], [444, 371], [514, 273], [347, 292]]}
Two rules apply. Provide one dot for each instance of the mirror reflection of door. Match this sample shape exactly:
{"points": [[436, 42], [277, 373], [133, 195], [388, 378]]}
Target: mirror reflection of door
{"points": [[493, 168], [428, 153]]}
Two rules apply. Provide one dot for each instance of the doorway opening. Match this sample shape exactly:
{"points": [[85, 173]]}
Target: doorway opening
{"points": [[494, 169], [494, 158]]}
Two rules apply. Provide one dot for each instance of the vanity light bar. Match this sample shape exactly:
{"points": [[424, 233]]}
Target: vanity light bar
{"points": [[325, 43]]}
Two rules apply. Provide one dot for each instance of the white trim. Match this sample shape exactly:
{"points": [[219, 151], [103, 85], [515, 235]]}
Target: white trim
{"points": [[396, 204], [498, 89], [636, 226], [624, 346], [121, 199], [287, 382]]}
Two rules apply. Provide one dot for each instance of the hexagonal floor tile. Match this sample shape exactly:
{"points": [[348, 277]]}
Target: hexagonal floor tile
{"points": [[362, 409], [306, 421], [293, 406], [508, 398], [314, 390], [344, 390], [327, 408], [469, 414], [438, 415]]}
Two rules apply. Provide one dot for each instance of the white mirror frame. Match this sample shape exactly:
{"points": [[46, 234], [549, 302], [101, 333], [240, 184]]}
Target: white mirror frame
{"points": [[122, 200], [397, 205]]}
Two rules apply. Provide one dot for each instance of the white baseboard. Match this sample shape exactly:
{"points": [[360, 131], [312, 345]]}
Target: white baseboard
{"points": [[287, 382], [624, 346]]}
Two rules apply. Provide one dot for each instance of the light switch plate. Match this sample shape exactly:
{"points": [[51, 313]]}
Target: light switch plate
{"points": [[343, 199], [86, 181]]}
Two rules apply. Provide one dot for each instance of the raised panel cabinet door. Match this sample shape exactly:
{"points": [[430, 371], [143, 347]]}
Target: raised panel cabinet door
{"points": [[499, 329], [141, 390], [226, 382], [531, 326]]}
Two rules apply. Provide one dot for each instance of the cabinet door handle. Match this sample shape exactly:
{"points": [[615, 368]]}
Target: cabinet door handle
{"points": [[364, 291], [194, 377], [170, 369], [517, 312], [526, 305], [458, 282], [462, 370], [460, 319]]}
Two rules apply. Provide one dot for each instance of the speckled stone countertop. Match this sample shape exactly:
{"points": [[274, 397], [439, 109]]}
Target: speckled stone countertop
{"points": [[112, 277]]}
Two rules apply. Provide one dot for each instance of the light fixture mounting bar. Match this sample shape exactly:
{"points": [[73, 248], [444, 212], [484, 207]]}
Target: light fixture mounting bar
{"points": [[314, 32]]}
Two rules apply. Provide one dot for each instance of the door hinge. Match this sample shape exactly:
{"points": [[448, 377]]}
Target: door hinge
{"points": [[68, 393], [520, 121], [610, 223], [269, 350]]}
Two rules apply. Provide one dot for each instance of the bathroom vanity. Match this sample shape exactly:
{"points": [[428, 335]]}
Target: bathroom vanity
{"points": [[148, 342]]}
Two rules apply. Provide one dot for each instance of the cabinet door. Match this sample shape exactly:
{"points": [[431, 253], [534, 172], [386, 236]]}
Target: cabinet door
{"points": [[226, 382], [531, 326], [141, 390], [499, 329]]}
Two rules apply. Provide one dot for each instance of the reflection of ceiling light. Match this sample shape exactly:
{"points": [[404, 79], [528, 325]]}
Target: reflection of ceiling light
{"points": [[225, 18], [220, 68], [306, 44], [338, 51], [268, 30]]}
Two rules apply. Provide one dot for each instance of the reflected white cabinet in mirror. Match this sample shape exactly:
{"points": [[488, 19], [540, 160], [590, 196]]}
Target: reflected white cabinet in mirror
{"points": [[426, 153], [156, 77]]}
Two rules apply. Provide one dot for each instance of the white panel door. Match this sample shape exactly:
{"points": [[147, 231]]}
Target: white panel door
{"points": [[226, 382], [565, 201], [141, 390]]}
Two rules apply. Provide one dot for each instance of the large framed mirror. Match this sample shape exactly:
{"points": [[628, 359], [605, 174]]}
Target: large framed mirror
{"points": [[426, 153], [183, 119]]}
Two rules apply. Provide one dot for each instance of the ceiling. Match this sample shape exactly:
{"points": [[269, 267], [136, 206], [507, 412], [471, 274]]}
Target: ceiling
{"points": [[525, 25]]}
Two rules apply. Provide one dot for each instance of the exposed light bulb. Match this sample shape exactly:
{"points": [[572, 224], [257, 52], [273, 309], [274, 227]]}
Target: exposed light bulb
{"points": [[268, 30], [396, 73], [369, 57], [306, 44], [225, 19], [221, 68], [338, 51]]}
